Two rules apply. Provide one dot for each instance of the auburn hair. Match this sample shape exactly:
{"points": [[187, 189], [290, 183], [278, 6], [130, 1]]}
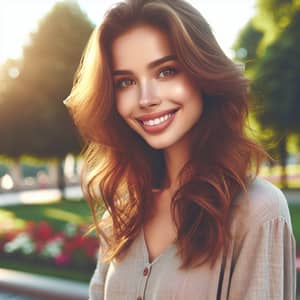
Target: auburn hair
{"points": [[121, 170]]}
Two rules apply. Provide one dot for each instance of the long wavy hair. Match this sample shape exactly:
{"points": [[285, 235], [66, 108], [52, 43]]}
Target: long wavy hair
{"points": [[121, 170]]}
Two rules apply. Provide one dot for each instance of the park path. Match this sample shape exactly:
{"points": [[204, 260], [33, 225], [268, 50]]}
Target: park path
{"points": [[15, 296], [292, 196], [15, 285], [38, 196], [52, 195]]}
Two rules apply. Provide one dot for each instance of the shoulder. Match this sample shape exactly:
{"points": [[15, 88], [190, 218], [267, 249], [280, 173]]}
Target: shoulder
{"points": [[262, 203], [267, 201]]}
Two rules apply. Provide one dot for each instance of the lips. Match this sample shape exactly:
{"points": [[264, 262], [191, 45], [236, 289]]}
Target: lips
{"points": [[157, 122], [156, 115]]}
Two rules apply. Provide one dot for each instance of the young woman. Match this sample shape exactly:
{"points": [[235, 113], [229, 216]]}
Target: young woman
{"points": [[162, 110]]}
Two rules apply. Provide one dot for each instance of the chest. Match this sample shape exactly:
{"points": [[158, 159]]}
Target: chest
{"points": [[134, 277], [159, 235], [159, 231]]}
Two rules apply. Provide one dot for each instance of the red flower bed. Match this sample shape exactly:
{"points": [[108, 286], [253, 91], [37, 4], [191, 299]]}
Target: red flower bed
{"points": [[69, 247]]}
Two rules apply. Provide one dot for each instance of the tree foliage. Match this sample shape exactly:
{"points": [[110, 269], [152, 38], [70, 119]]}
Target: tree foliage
{"points": [[277, 78], [274, 68], [247, 44], [34, 119]]}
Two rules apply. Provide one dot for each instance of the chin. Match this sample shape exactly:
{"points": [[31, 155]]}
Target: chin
{"points": [[159, 145]]}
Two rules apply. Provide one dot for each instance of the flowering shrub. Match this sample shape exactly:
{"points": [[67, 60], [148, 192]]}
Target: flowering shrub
{"points": [[71, 246]]}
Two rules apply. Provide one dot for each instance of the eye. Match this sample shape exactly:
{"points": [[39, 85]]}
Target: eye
{"points": [[124, 83], [167, 72]]}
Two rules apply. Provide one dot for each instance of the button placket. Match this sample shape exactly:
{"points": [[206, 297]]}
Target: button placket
{"points": [[145, 275], [146, 271]]}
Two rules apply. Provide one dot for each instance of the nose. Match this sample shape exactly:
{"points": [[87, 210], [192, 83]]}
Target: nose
{"points": [[148, 95]]}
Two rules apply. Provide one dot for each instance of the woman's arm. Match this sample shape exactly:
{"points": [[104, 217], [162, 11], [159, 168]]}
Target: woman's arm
{"points": [[265, 267], [96, 288]]}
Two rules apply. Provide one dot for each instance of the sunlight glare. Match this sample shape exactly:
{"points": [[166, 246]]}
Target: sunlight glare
{"points": [[21, 17], [7, 182], [13, 72], [17, 20]]}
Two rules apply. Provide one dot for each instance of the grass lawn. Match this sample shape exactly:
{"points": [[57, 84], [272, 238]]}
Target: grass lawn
{"points": [[295, 216], [57, 214]]}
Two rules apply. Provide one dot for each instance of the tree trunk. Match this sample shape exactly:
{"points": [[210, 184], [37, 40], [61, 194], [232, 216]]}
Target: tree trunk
{"points": [[283, 160], [53, 174], [17, 175], [61, 184], [270, 164]]}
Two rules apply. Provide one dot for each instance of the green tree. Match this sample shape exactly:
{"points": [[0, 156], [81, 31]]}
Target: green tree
{"points": [[277, 79], [31, 104], [246, 46], [271, 40]]}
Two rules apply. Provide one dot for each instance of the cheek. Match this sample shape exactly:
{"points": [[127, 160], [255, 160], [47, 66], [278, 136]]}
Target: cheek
{"points": [[124, 104], [120, 107], [187, 94], [180, 93]]}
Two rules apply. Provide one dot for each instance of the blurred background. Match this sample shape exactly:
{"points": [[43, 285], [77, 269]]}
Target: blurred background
{"points": [[43, 216]]}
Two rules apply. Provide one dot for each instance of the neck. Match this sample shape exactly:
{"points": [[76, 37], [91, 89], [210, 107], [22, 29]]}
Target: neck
{"points": [[175, 158]]}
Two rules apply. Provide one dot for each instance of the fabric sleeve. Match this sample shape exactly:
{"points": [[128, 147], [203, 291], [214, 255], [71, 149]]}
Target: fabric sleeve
{"points": [[265, 267], [96, 287]]}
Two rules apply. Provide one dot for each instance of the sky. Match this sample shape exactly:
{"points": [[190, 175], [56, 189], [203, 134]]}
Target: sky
{"points": [[20, 17]]}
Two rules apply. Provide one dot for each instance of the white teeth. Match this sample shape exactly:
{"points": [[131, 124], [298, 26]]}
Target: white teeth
{"points": [[157, 121]]}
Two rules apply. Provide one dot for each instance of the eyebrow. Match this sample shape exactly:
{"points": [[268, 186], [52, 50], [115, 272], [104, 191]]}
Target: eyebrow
{"points": [[151, 65]]}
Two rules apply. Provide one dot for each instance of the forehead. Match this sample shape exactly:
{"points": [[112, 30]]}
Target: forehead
{"points": [[140, 45]]}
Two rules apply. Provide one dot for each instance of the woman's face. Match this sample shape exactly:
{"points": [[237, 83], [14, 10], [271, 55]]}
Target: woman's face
{"points": [[154, 95]]}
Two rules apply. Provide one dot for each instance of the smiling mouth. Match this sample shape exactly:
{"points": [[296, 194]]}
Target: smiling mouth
{"points": [[158, 124], [158, 121], [156, 118]]}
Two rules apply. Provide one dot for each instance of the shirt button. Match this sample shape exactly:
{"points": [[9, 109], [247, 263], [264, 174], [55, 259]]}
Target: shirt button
{"points": [[146, 271], [139, 298]]}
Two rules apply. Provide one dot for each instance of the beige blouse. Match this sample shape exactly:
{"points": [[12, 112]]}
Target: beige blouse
{"points": [[259, 265]]}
